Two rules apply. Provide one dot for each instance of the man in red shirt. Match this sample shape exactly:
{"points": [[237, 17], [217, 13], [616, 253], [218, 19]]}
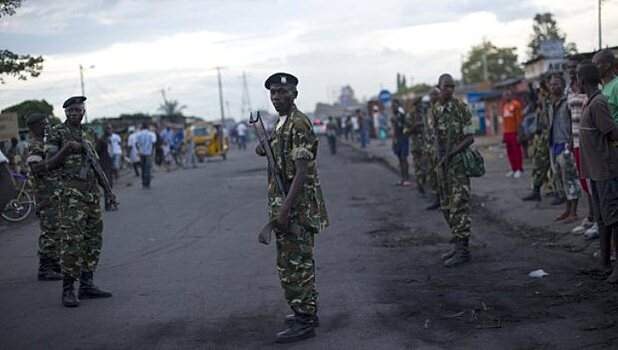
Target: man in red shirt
{"points": [[511, 119]]}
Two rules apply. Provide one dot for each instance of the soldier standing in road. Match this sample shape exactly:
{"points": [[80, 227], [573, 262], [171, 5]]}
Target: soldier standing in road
{"points": [[431, 174], [451, 125], [81, 219], [47, 188], [295, 149], [401, 142], [414, 128]]}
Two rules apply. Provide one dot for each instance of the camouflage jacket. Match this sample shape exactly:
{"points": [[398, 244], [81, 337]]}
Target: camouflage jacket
{"points": [[450, 123], [46, 183], [414, 126], [296, 140], [69, 172]]}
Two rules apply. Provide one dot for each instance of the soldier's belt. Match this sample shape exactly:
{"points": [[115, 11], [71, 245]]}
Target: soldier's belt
{"points": [[265, 235]]}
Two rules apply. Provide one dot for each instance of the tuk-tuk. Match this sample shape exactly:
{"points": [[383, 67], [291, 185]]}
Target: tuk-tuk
{"points": [[208, 139]]}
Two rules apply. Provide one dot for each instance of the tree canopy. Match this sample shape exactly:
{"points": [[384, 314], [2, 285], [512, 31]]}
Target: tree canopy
{"points": [[25, 108], [170, 108], [13, 64], [545, 27], [501, 63]]}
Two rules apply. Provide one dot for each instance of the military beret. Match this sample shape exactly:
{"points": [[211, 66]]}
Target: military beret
{"points": [[35, 118], [73, 100], [282, 79]]}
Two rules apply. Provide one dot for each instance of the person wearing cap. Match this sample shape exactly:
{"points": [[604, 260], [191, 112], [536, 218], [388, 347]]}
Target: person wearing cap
{"points": [[81, 218], [47, 187], [295, 147]]}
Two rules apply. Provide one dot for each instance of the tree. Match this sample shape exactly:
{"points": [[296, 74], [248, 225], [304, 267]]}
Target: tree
{"points": [[501, 63], [545, 27], [12, 64], [170, 108], [28, 107]]}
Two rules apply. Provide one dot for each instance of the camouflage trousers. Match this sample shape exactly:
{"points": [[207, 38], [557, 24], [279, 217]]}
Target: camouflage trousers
{"points": [[296, 269], [540, 160], [566, 176], [49, 238], [81, 225], [419, 164], [431, 175], [455, 203]]}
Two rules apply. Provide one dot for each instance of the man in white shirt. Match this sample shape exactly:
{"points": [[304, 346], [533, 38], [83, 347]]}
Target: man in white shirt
{"points": [[116, 152], [145, 141], [132, 150], [242, 136]]}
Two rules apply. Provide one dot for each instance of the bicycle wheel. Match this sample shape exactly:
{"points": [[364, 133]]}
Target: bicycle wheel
{"points": [[18, 208]]}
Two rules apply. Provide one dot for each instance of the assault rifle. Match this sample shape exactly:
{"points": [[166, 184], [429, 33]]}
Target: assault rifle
{"points": [[92, 161], [273, 169]]}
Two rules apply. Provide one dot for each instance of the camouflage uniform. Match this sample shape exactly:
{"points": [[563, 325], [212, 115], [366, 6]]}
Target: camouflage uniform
{"points": [[47, 189], [540, 159], [81, 220], [293, 141], [431, 177], [415, 127], [451, 123]]}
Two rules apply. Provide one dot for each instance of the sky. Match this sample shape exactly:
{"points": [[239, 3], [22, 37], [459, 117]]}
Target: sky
{"points": [[133, 49]]}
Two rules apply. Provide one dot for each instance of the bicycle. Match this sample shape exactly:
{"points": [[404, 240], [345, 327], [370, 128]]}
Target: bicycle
{"points": [[18, 208]]}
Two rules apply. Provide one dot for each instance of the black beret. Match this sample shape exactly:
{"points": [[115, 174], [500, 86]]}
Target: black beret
{"points": [[282, 79], [73, 100], [35, 118]]}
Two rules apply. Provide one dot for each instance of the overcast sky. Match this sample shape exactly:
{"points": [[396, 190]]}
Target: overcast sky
{"points": [[138, 47]]}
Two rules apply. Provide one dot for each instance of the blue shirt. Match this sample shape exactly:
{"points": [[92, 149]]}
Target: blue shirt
{"points": [[145, 140]]}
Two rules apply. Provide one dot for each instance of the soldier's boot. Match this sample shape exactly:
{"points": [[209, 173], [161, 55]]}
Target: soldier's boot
{"points": [[46, 271], [434, 205], [450, 253], [68, 293], [535, 195], [462, 253], [289, 320], [302, 328], [87, 288]]}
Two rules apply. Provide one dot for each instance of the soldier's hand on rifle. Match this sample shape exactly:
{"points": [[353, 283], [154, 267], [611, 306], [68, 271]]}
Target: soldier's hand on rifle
{"points": [[74, 145], [259, 150], [283, 220]]}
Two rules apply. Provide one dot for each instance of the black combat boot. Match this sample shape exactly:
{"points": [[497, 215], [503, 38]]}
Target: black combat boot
{"points": [[302, 328], [535, 195], [434, 205], [46, 271], [68, 293], [450, 253], [289, 320], [87, 288], [462, 253]]}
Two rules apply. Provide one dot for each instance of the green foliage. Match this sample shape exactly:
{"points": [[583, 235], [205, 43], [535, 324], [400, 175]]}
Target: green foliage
{"points": [[12, 64], [28, 107], [545, 27], [7, 7], [170, 108], [501, 63]]}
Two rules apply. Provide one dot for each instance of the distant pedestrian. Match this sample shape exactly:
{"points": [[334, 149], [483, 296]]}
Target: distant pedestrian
{"points": [[561, 148], [599, 156], [355, 120], [145, 142], [106, 160], [365, 126], [190, 157], [401, 142], [241, 129], [7, 183], [132, 150], [511, 116], [331, 134], [347, 127], [115, 143], [381, 125]]}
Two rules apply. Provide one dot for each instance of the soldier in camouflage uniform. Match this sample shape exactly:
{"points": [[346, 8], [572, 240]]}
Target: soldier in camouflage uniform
{"points": [[431, 173], [414, 127], [46, 190], [540, 153], [451, 124], [295, 149], [81, 220]]}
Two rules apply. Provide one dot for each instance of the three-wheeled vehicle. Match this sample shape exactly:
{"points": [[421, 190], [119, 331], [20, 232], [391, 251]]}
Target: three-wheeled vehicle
{"points": [[208, 139]]}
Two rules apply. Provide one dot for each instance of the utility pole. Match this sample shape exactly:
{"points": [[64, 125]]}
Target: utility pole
{"points": [[221, 106], [81, 79], [600, 38], [485, 72], [246, 98]]}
